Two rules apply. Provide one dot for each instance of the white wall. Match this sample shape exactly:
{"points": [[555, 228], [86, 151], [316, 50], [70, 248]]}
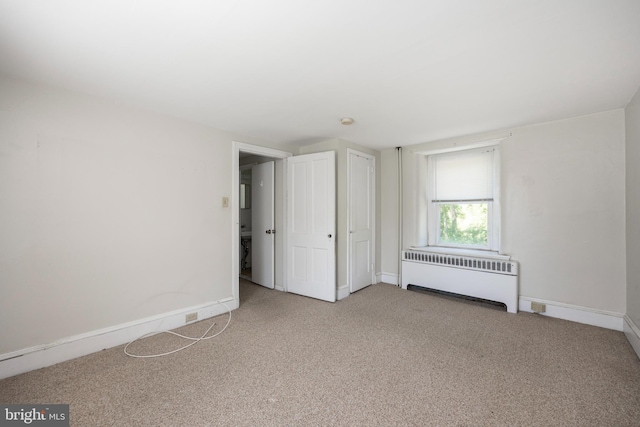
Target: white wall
{"points": [[108, 214], [340, 147], [389, 216], [562, 207], [632, 157]]}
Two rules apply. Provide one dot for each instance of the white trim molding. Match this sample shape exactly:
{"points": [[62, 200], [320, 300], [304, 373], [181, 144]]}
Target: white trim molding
{"points": [[41, 356], [632, 332], [391, 278], [456, 146], [343, 292], [575, 313]]}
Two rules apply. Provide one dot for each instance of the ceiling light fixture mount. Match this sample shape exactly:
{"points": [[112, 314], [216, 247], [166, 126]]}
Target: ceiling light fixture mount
{"points": [[346, 121]]}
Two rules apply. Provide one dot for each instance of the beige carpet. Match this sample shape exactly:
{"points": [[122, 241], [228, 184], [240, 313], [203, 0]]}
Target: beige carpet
{"points": [[383, 356]]}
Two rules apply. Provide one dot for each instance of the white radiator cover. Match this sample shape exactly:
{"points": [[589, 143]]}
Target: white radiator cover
{"points": [[487, 278]]}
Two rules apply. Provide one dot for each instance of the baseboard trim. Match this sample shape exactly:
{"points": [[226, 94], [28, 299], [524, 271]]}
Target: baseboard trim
{"points": [[576, 313], [343, 292], [390, 278], [632, 332], [41, 356]]}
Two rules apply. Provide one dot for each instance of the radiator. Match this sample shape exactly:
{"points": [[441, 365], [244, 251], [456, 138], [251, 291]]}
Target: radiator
{"points": [[486, 278]]}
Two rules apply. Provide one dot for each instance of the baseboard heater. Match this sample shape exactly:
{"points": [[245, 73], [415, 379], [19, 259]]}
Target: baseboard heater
{"points": [[486, 278]]}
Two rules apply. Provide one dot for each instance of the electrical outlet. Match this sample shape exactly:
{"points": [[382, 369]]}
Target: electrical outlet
{"points": [[191, 317], [538, 307]]}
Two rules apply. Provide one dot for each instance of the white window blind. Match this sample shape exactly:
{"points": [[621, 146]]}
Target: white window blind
{"points": [[464, 198], [464, 176]]}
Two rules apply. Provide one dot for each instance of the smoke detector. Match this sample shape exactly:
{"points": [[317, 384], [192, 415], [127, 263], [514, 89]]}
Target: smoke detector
{"points": [[346, 121]]}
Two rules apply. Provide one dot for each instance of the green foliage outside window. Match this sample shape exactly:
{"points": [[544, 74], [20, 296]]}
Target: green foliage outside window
{"points": [[464, 224]]}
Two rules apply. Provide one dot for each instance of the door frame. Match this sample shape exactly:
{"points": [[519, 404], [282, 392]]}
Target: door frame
{"points": [[280, 263], [372, 208]]}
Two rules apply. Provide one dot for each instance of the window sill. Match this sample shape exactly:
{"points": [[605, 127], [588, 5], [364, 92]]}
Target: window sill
{"points": [[463, 252]]}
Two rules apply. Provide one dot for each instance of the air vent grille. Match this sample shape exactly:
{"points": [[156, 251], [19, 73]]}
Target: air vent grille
{"points": [[467, 262]]}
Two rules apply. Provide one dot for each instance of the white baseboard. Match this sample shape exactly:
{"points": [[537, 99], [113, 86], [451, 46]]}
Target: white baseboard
{"points": [[40, 356], [390, 278], [632, 332], [343, 292], [576, 313]]}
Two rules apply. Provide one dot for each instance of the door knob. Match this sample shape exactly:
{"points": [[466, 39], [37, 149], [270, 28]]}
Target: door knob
{"points": [[329, 235], [268, 231]]}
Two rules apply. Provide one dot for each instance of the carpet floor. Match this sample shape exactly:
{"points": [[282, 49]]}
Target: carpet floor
{"points": [[381, 357]]}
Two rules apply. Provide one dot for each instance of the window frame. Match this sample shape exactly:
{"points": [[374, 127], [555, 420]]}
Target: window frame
{"points": [[493, 207]]}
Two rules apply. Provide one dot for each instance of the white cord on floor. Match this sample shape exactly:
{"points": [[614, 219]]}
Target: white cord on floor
{"points": [[195, 340]]}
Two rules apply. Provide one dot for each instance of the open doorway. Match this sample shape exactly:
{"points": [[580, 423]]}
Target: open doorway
{"points": [[305, 193], [245, 218], [246, 250], [257, 219]]}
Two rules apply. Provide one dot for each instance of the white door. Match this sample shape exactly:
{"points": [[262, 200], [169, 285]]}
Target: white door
{"points": [[262, 224], [311, 262], [361, 193]]}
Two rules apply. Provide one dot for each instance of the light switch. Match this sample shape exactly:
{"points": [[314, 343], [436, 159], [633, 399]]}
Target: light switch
{"points": [[225, 202]]}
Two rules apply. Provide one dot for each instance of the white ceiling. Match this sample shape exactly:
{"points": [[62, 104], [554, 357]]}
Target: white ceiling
{"points": [[287, 70]]}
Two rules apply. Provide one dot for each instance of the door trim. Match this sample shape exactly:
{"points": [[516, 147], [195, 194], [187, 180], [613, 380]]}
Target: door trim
{"points": [[372, 207], [238, 147]]}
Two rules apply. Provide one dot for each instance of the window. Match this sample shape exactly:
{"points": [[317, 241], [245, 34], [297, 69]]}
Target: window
{"points": [[463, 199]]}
